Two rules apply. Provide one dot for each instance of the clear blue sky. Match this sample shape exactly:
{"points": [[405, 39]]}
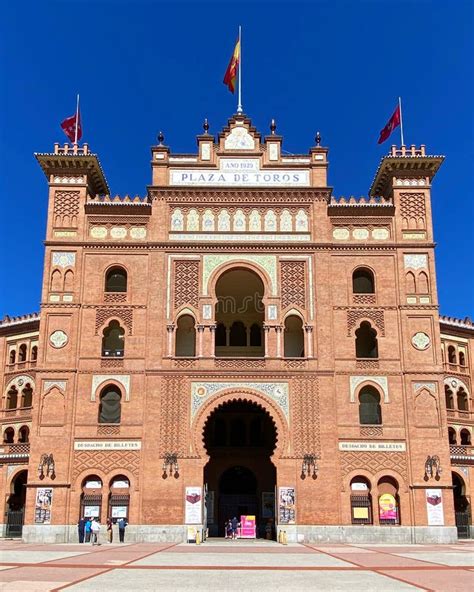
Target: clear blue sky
{"points": [[334, 66]]}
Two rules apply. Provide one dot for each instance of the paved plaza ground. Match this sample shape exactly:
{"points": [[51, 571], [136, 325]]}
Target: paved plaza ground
{"points": [[235, 565]]}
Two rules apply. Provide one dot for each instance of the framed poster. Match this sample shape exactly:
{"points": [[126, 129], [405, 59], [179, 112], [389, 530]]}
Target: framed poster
{"points": [[286, 505], [91, 511], [434, 507], [44, 500], [388, 507], [247, 527], [193, 505], [268, 504], [119, 511]]}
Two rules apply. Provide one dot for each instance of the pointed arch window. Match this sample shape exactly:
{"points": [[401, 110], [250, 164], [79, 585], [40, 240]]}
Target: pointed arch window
{"points": [[116, 280], [370, 411], [113, 341]]}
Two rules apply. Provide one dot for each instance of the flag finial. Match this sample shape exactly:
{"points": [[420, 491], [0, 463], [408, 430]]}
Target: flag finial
{"points": [[205, 126], [318, 139], [273, 127], [161, 138]]}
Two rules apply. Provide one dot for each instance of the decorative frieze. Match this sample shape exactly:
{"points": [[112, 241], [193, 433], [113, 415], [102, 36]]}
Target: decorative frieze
{"points": [[267, 262], [376, 315], [293, 284], [186, 283]]}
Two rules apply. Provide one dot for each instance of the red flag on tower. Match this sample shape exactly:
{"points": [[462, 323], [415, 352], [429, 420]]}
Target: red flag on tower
{"points": [[231, 72], [72, 126], [392, 123]]}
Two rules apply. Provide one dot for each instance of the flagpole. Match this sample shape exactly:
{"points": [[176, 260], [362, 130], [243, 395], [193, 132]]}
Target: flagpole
{"points": [[77, 120], [239, 104], [401, 120]]}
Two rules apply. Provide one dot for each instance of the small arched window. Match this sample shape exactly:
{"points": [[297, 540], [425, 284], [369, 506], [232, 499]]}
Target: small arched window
{"points": [[448, 393], [238, 334], [452, 435], [185, 337], [452, 354], [220, 338], [113, 341], [465, 437], [24, 435], [116, 280], [12, 398], [255, 335], [22, 353], [294, 337], [34, 353], [462, 359], [366, 341], [8, 436], [370, 411], [110, 405], [363, 281], [423, 287], [12, 356], [361, 501], [389, 503], [27, 396], [463, 403]]}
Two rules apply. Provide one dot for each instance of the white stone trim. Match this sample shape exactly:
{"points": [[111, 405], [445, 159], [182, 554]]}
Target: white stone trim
{"points": [[99, 379], [381, 381]]}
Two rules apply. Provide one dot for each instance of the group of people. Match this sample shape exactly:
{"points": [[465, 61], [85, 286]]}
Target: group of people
{"points": [[231, 527], [88, 530]]}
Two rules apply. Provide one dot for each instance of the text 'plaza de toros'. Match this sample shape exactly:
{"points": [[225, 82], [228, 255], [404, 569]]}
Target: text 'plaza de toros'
{"points": [[238, 342]]}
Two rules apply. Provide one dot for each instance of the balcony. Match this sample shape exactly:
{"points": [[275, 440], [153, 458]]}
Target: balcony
{"points": [[456, 368], [462, 453], [464, 416], [15, 453], [22, 413]]}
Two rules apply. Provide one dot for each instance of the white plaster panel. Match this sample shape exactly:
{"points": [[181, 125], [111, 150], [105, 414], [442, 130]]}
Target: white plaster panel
{"points": [[63, 259], [382, 381], [416, 261], [123, 379]]}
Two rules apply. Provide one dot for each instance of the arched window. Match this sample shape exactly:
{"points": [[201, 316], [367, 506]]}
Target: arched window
{"points": [[363, 281], [34, 353], [91, 498], [238, 334], [294, 337], [12, 356], [185, 337], [110, 405], [448, 393], [8, 436], [24, 435], [423, 283], [116, 280], [12, 398], [255, 335], [462, 359], [113, 341], [220, 338], [465, 437], [56, 281], [366, 342], [22, 353], [370, 411], [452, 435], [361, 501], [452, 354], [463, 403], [410, 283], [27, 396], [119, 498], [68, 281], [389, 504]]}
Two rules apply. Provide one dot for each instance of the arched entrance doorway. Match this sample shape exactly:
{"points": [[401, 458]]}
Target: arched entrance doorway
{"points": [[15, 510], [462, 507], [240, 437]]}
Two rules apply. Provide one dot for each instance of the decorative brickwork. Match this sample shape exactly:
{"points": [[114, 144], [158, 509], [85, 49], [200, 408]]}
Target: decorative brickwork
{"points": [[305, 417], [113, 297], [293, 284], [107, 461], [174, 411], [376, 315], [111, 363], [367, 364], [413, 210], [108, 430], [374, 462], [371, 431], [125, 314], [364, 298], [66, 208], [186, 283], [239, 364]]}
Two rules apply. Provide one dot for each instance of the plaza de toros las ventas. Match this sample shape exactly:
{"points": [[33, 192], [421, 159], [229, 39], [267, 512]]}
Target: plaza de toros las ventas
{"points": [[239, 341]]}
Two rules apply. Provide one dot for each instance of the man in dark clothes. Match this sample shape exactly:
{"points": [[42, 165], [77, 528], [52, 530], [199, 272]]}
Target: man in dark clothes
{"points": [[122, 523], [80, 529], [235, 524]]}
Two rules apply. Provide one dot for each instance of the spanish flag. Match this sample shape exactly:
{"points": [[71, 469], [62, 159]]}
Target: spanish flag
{"points": [[231, 72]]}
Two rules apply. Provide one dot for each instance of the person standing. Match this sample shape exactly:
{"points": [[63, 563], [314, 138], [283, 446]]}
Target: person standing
{"points": [[95, 529], [235, 525], [80, 529], [87, 530], [110, 534], [122, 524]]}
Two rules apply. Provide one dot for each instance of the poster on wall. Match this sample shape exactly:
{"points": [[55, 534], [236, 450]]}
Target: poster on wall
{"points": [[193, 505], [388, 507], [434, 507], [44, 500], [268, 504], [119, 511], [91, 511], [286, 505]]}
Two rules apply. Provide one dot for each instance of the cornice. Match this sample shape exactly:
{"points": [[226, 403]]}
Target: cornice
{"points": [[195, 195]]}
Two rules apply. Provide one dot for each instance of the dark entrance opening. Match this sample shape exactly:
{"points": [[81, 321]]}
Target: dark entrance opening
{"points": [[15, 510], [462, 507], [240, 437]]}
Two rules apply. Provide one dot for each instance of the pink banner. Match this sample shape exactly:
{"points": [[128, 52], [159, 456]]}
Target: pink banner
{"points": [[247, 527]]}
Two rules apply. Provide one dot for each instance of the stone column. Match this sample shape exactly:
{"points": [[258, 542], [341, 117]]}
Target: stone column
{"points": [[266, 335], [279, 332], [200, 330], [309, 340], [212, 330], [170, 329]]}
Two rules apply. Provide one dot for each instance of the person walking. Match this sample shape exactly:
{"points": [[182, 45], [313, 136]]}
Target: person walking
{"points": [[95, 529], [87, 530], [110, 533], [80, 529], [122, 524], [235, 525]]}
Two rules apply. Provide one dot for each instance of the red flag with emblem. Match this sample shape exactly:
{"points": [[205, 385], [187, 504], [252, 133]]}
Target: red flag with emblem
{"points": [[392, 123], [72, 126]]}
